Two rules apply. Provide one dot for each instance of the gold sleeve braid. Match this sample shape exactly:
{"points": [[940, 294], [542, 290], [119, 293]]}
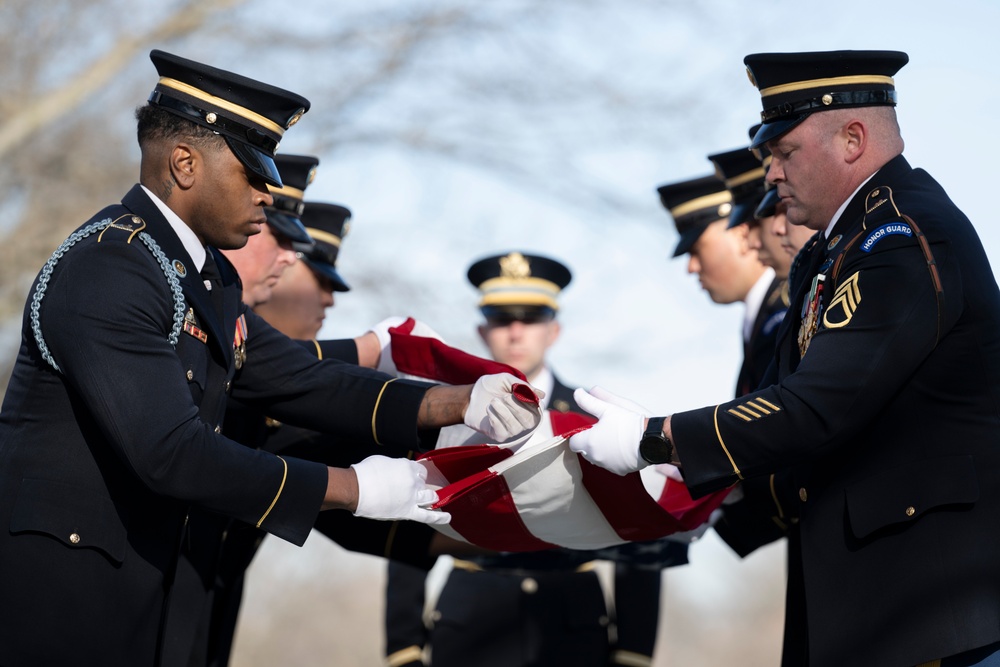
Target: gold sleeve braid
{"points": [[375, 410], [284, 476]]}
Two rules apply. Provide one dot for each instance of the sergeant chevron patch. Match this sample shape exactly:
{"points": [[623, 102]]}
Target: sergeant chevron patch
{"points": [[754, 409], [845, 302]]}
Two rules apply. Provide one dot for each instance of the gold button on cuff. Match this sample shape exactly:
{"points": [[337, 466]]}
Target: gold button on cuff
{"points": [[910, 511], [190, 375], [74, 538], [529, 586], [803, 496]]}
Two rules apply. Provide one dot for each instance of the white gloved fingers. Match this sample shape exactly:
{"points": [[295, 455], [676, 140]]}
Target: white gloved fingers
{"points": [[381, 331], [431, 517], [496, 412], [421, 329], [614, 399], [613, 442], [391, 488]]}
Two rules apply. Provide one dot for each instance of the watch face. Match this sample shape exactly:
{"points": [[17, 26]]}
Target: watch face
{"points": [[655, 450]]}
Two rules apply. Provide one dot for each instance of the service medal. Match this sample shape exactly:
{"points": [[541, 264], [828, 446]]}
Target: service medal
{"points": [[812, 307], [240, 342]]}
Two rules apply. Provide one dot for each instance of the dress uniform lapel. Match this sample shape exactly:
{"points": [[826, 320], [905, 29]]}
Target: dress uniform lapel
{"points": [[192, 285]]}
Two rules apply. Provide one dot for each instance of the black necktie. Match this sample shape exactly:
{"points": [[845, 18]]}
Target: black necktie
{"points": [[213, 279]]}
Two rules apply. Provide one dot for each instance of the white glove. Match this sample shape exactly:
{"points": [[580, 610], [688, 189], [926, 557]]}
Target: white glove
{"points": [[381, 331], [391, 488], [496, 412], [613, 442], [608, 397]]}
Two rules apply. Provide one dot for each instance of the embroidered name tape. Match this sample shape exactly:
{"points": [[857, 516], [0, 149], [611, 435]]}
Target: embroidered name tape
{"points": [[883, 231]]}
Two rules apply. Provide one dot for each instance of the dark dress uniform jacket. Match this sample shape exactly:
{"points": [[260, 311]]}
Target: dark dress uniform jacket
{"points": [[112, 469], [888, 430], [755, 520]]}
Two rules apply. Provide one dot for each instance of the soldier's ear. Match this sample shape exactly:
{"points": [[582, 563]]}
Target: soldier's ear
{"points": [[855, 136], [184, 160]]}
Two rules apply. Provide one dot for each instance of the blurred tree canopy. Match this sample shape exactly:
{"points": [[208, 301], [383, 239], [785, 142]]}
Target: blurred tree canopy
{"points": [[488, 84]]}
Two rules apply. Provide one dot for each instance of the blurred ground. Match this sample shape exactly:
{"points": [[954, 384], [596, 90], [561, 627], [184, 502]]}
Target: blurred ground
{"points": [[321, 606]]}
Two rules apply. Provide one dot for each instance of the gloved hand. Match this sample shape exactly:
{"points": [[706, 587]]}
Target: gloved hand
{"points": [[381, 331], [613, 442], [391, 488], [499, 412]]}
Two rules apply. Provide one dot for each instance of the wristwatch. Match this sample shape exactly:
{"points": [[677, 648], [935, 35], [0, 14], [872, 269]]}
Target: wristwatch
{"points": [[654, 446]]}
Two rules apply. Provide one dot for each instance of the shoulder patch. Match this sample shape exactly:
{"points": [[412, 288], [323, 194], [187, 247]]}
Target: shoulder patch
{"points": [[130, 224], [885, 230]]}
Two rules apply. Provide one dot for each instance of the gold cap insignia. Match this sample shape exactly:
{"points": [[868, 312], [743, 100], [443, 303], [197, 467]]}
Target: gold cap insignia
{"points": [[753, 81], [210, 118], [725, 209], [347, 228], [515, 265], [295, 118], [311, 176], [827, 99]]}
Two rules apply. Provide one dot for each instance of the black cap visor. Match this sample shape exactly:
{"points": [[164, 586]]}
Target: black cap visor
{"points": [[774, 129], [288, 226], [257, 161], [329, 272], [742, 212], [768, 205], [690, 236], [529, 314]]}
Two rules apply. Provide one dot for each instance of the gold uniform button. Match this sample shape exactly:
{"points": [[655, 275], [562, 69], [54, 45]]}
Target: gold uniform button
{"points": [[910, 511], [218, 429], [803, 496], [228, 385], [529, 586], [74, 538], [190, 375]]}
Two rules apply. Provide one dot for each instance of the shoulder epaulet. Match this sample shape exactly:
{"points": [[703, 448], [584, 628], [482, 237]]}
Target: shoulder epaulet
{"points": [[132, 225], [127, 224]]}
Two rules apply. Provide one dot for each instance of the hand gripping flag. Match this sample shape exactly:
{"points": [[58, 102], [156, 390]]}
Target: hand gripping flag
{"points": [[538, 494]]}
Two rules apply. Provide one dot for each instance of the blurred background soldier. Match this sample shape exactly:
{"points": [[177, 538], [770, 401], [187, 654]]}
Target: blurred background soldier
{"points": [[527, 609]]}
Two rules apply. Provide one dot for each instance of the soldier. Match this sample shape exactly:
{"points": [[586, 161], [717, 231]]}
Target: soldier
{"points": [[133, 339], [883, 407], [527, 609], [266, 256], [299, 302], [726, 267]]}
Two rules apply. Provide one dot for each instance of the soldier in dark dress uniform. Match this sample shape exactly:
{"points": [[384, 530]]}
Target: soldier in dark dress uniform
{"points": [[527, 609], [882, 411], [110, 429]]}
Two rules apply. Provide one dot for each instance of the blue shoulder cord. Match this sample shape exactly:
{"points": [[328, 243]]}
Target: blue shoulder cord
{"points": [[74, 238]]}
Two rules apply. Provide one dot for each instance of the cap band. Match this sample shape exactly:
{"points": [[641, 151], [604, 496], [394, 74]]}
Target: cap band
{"points": [[250, 135], [325, 237], [740, 179], [521, 291], [856, 80], [240, 111], [288, 191], [857, 98], [708, 201]]}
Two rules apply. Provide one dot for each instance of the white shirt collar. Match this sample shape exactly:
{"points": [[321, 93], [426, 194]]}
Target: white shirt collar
{"points": [[188, 238], [840, 211], [755, 299], [546, 382]]}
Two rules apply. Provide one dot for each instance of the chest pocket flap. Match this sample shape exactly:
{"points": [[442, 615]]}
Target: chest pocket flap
{"points": [[903, 494], [75, 516]]}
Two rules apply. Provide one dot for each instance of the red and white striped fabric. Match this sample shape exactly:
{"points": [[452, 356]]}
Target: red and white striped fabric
{"points": [[539, 494]]}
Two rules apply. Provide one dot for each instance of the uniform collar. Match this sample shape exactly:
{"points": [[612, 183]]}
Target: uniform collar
{"points": [[188, 238], [755, 298]]}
